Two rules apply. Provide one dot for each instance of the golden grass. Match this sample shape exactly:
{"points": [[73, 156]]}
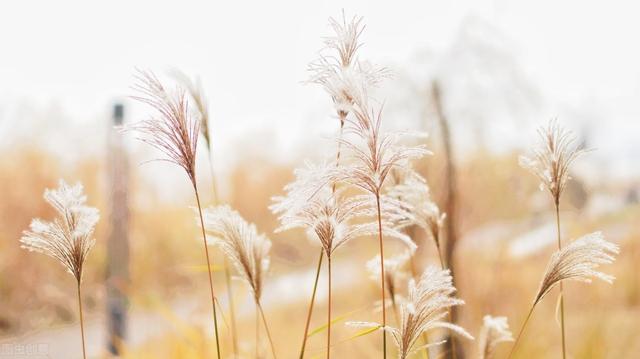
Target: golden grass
{"points": [[602, 321]]}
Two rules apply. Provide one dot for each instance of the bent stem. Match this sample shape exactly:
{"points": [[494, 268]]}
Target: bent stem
{"points": [[313, 298], [266, 327], [384, 308], [564, 349], [515, 344], [84, 352], [329, 310], [206, 251]]}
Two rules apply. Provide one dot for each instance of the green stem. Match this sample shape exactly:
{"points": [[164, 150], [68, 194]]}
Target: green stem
{"points": [[206, 251], [313, 298]]}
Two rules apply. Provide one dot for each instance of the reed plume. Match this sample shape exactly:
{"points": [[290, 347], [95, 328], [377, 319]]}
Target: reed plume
{"points": [[552, 158], [313, 204], [245, 248], [495, 330], [577, 261], [427, 304], [69, 237], [196, 92], [174, 131], [419, 209], [551, 163], [374, 155], [339, 72]]}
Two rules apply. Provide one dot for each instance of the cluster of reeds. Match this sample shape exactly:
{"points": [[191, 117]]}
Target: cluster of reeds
{"points": [[551, 163], [366, 166], [367, 189]]}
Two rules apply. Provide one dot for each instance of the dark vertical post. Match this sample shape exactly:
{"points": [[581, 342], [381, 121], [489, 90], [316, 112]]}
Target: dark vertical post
{"points": [[118, 242]]}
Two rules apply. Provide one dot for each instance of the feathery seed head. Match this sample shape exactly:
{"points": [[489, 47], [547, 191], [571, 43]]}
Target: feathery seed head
{"points": [[426, 306], [338, 70], [495, 330], [373, 155], [552, 158], [241, 243], [69, 237], [345, 41], [173, 129], [326, 216], [310, 180], [412, 190], [578, 261], [196, 92]]}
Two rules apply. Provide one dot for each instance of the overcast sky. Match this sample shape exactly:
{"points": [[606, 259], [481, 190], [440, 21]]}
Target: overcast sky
{"points": [[78, 56]]}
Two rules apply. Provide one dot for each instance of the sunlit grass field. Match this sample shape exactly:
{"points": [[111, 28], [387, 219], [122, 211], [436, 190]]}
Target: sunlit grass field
{"points": [[499, 203]]}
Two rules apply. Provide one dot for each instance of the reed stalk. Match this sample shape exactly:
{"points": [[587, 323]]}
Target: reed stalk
{"points": [[382, 279], [227, 270], [329, 309], [84, 351], [313, 297], [564, 348], [266, 327], [515, 344], [206, 251], [315, 284]]}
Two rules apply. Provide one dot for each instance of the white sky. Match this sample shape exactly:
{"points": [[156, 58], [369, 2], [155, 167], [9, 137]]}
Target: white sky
{"points": [[78, 56]]}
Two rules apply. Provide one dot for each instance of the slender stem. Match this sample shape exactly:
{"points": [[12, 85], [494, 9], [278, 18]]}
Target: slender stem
{"points": [[515, 344], [329, 311], [84, 351], [257, 331], [315, 284], [384, 309], [313, 297], [266, 327], [227, 271], [564, 348], [206, 251]]}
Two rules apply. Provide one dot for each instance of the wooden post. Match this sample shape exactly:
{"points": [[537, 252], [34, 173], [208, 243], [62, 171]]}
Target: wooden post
{"points": [[118, 242]]}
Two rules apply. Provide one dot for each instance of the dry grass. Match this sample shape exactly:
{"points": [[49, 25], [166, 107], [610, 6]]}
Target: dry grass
{"points": [[370, 192]]}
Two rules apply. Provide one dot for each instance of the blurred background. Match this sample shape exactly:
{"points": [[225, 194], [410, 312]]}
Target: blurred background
{"points": [[502, 69]]}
